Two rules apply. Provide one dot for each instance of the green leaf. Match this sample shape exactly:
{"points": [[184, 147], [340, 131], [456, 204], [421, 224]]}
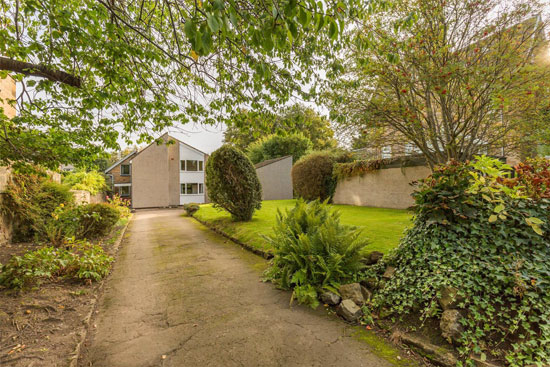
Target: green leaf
{"points": [[499, 208], [493, 218]]}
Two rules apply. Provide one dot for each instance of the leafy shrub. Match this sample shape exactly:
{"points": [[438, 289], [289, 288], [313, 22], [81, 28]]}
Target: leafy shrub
{"points": [[360, 167], [275, 146], [82, 260], [312, 175], [313, 251], [95, 220], [232, 183], [482, 232], [191, 208], [92, 181], [82, 221], [29, 200], [121, 204]]}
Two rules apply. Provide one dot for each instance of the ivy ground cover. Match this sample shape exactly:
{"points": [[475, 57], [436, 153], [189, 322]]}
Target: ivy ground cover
{"points": [[383, 227]]}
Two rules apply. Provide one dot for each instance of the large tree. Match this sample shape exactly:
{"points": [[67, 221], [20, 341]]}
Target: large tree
{"points": [[90, 71], [447, 79], [248, 127]]}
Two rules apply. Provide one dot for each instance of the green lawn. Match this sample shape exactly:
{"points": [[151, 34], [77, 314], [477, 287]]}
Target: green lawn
{"points": [[383, 227]]}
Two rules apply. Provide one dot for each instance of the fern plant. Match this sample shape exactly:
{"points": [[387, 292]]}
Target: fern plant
{"points": [[313, 251]]}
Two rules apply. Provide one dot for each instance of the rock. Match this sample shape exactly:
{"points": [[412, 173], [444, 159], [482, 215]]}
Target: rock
{"points": [[435, 353], [349, 311], [352, 291], [479, 363], [366, 293], [370, 283], [450, 325], [330, 298], [449, 298], [390, 270], [372, 258]]}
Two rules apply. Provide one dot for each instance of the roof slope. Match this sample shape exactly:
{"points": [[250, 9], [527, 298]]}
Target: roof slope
{"points": [[270, 161]]}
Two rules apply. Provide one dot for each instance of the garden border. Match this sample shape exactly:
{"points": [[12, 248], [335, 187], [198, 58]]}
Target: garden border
{"points": [[265, 254], [83, 332]]}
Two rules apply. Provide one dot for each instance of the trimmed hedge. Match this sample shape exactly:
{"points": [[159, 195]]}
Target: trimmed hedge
{"points": [[232, 183], [312, 176]]}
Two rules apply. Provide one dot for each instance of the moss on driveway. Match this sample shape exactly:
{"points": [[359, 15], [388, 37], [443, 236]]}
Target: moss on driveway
{"points": [[383, 227]]}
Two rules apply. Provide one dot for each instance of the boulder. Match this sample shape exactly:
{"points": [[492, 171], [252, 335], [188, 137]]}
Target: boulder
{"points": [[390, 270], [449, 298], [349, 311], [366, 293], [372, 258], [330, 298], [370, 283], [352, 291], [450, 325]]}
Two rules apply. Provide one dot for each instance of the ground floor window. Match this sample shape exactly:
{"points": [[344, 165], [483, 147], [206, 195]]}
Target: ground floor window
{"points": [[123, 191], [192, 188]]}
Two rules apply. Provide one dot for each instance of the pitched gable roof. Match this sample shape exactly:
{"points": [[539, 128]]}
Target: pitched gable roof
{"points": [[121, 160]]}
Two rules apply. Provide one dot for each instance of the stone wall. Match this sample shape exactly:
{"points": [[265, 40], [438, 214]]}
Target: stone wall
{"points": [[384, 188], [84, 197]]}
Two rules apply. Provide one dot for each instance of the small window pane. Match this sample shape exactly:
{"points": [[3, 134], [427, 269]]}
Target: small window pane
{"points": [[125, 169], [201, 189], [124, 190], [182, 165], [191, 165], [200, 165], [182, 188]]}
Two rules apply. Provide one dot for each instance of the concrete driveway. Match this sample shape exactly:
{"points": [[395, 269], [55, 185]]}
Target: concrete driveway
{"points": [[180, 295]]}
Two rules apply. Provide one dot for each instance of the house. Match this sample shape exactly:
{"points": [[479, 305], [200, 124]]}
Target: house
{"points": [[275, 178], [166, 173]]}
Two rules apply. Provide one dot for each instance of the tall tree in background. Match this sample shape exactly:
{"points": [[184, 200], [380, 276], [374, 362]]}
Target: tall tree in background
{"points": [[250, 126], [448, 80], [86, 67]]}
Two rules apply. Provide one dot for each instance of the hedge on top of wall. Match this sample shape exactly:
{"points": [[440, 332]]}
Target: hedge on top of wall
{"points": [[360, 167]]}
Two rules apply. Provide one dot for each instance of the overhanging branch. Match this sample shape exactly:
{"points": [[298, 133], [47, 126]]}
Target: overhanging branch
{"points": [[39, 71]]}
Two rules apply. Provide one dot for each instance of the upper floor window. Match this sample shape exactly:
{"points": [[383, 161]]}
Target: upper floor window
{"points": [[125, 170], [191, 165]]}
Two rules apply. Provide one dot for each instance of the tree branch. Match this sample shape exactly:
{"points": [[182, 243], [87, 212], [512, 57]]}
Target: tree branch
{"points": [[41, 71]]}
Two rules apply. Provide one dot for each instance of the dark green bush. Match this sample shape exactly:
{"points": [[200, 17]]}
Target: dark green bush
{"points": [[275, 146], [481, 232], [313, 251], [312, 175], [81, 260], [191, 208], [232, 183]]}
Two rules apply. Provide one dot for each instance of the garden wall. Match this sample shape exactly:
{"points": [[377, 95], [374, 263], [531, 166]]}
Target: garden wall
{"points": [[384, 188], [84, 197]]}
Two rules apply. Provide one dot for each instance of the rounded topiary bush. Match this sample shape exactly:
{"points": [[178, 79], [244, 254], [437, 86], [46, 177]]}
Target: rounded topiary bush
{"points": [[312, 175], [232, 183]]}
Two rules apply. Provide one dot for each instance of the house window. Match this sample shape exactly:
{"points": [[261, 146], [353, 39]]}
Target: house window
{"points": [[191, 165], [192, 188], [386, 152], [124, 191], [125, 170]]}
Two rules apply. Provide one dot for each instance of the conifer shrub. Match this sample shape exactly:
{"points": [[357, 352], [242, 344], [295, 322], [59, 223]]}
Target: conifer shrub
{"points": [[232, 183], [313, 251], [486, 234]]}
